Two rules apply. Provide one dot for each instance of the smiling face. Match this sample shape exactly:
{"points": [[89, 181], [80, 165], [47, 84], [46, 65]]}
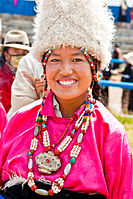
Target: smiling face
{"points": [[68, 73]]}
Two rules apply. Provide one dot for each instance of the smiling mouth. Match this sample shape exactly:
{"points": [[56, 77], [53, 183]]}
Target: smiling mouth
{"points": [[67, 82]]}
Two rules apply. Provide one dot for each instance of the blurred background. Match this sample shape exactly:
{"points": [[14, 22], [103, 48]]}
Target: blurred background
{"points": [[117, 81], [17, 14]]}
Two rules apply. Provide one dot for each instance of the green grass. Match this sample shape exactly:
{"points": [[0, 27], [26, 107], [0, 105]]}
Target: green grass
{"points": [[128, 124]]}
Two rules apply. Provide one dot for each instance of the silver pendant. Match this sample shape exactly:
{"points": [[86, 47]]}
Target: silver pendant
{"points": [[48, 162]]}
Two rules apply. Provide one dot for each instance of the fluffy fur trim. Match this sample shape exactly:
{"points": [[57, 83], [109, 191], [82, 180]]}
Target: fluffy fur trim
{"points": [[15, 179], [81, 23]]}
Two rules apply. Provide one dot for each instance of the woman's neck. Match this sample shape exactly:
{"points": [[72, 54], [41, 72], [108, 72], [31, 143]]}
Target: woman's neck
{"points": [[68, 107]]}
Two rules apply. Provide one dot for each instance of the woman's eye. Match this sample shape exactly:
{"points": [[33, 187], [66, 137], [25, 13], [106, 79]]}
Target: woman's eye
{"points": [[77, 60], [55, 60]]}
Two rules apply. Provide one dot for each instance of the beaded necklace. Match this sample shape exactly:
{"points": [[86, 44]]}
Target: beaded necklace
{"points": [[48, 161]]}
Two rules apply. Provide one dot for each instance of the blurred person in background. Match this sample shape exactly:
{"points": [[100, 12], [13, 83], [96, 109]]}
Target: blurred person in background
{"points": [[131, 13], [16, 45], [125, 13], [28, 85], [127, 76], [106, 73], [129, 4], [117, 54]]}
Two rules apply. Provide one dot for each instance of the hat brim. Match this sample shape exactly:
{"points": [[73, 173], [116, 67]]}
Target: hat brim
{"points": [[19, 46], [129, 58]]}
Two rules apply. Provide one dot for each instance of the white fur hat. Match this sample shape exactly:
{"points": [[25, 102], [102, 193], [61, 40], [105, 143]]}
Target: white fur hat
{"points": [[77, 23]]}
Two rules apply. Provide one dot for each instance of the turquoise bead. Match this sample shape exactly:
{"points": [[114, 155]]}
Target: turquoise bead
{"points": [[29, 153], [44, 125], [73, 131], [73, 160]]}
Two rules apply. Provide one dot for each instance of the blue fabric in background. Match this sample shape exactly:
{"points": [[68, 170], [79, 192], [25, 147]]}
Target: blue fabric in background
{"points": [[115, 12], [23, 7], [128, 16]]}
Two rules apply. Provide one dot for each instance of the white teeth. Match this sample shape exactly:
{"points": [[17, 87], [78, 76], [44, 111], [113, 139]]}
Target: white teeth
{"points": [[67, 83]]}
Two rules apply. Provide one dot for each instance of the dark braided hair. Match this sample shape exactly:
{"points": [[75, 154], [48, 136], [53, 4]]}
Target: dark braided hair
{"points": [[96, 88]]}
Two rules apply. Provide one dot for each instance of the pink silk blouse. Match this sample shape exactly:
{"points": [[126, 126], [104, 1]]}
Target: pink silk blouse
{"points": [[3, 118], [104, 164]]}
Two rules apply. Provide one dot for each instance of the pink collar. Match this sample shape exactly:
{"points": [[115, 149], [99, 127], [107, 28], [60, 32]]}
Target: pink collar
{"points": [[50, 112]]}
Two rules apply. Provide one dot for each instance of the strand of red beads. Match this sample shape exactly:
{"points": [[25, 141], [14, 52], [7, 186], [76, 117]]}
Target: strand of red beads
{"points": [[84, 122], [59, 182]]}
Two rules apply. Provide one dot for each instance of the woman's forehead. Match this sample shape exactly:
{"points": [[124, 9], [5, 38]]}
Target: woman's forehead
{"points": [[67, 50]]}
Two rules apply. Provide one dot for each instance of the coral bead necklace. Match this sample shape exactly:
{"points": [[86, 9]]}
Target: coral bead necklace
{"points": [[48, 162]]}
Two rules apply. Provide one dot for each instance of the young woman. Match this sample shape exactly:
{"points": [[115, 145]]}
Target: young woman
{"points": [[68, 145]]}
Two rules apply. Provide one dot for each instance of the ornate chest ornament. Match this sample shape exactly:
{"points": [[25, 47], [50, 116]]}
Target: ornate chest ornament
{"points": [[47, 162]]}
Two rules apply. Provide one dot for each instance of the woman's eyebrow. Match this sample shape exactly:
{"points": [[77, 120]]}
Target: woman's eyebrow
{"points": [[55, 55], [77, 54], [73, 54]]}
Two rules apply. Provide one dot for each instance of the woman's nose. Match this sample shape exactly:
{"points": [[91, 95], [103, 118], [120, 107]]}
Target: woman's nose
{"points": [[66, 69]]}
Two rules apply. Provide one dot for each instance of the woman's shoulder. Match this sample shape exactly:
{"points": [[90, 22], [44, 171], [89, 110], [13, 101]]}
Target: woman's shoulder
{"points": [[22, 120], [27, 112], [3, 116], [106, 118]]}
